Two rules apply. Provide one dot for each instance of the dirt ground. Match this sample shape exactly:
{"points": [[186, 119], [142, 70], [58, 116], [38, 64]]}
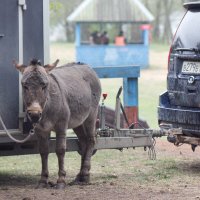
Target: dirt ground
{"points": [[120, 187]]}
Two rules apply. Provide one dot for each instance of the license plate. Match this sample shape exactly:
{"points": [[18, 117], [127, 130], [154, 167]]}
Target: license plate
{"points": [[191, 67]]}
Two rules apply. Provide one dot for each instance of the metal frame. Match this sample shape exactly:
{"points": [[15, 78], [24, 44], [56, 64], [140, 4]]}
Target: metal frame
{"points": [[21, 7], [46, 31], [10, 148]]}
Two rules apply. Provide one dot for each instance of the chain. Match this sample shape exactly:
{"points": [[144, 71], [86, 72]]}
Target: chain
{"points": [[151, 151]]}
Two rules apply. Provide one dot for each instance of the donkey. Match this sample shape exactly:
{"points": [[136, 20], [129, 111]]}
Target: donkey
{"points": [[57, 99]]}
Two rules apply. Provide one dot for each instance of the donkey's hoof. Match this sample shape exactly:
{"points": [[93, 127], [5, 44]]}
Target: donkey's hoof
{"points": [[60, 186], [82, 179]]}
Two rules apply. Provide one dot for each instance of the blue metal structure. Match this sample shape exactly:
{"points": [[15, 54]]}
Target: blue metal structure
{"points": [[115, 12], [130, 75], [112, 55]]}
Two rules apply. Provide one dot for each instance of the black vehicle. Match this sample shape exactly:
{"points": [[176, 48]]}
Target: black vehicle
{"points": [[179, 107]]}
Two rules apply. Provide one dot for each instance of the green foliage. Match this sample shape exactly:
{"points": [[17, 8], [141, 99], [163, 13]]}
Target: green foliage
{"points": [[55, 6], [60, 9], [56, 12]]}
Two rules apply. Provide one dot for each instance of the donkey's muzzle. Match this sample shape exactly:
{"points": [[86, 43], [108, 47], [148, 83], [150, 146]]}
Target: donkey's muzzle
{"points": [[34, 112], [34, 116]]}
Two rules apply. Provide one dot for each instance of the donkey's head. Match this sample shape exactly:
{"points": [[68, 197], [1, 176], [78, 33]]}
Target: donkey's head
{"points": [[35, 84]]}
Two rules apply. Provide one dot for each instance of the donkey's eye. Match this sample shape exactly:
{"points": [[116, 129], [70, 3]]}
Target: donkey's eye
{"points": [[44, 87]]}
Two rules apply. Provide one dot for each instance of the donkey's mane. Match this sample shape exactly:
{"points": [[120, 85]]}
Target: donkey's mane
{"points": [[35, 62]]}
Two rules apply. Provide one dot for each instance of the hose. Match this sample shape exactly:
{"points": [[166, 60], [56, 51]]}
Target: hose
{"points": [[31, 133]]}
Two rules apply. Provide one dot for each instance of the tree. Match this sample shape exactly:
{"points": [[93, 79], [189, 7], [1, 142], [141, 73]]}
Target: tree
{"points": [[162, 11], [156, 24], [167, 30], [59, 10]]}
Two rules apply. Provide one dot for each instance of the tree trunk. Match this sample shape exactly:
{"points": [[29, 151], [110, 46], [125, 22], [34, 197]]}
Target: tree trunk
{"points": [[167, 31], [146, 3], [70, 32], [156, 24]]}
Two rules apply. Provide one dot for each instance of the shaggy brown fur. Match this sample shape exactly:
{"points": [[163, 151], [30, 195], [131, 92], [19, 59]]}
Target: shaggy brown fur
{"points": [[65, 98]]}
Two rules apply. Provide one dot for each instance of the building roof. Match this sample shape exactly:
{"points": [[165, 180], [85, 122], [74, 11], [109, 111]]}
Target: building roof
{"points": [[111, 11]]}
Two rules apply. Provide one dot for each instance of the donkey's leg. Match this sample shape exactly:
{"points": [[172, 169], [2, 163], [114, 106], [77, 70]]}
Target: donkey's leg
{"points": [[87, 142], [44, 152], [60, 152], [80, 132], [82, 137]]}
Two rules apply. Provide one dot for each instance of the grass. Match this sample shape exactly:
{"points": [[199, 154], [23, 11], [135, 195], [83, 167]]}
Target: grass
{"points": [[149, 92], [159, 47], [133, 166], [65, 52], [126, 168]]}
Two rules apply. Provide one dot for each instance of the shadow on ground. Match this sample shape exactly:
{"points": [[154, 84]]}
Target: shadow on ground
{"points": [[10, 179], [190, 167]]}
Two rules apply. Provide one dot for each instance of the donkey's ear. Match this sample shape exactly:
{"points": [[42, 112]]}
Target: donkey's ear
{"points": [[19, 67], [52, 66]]}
